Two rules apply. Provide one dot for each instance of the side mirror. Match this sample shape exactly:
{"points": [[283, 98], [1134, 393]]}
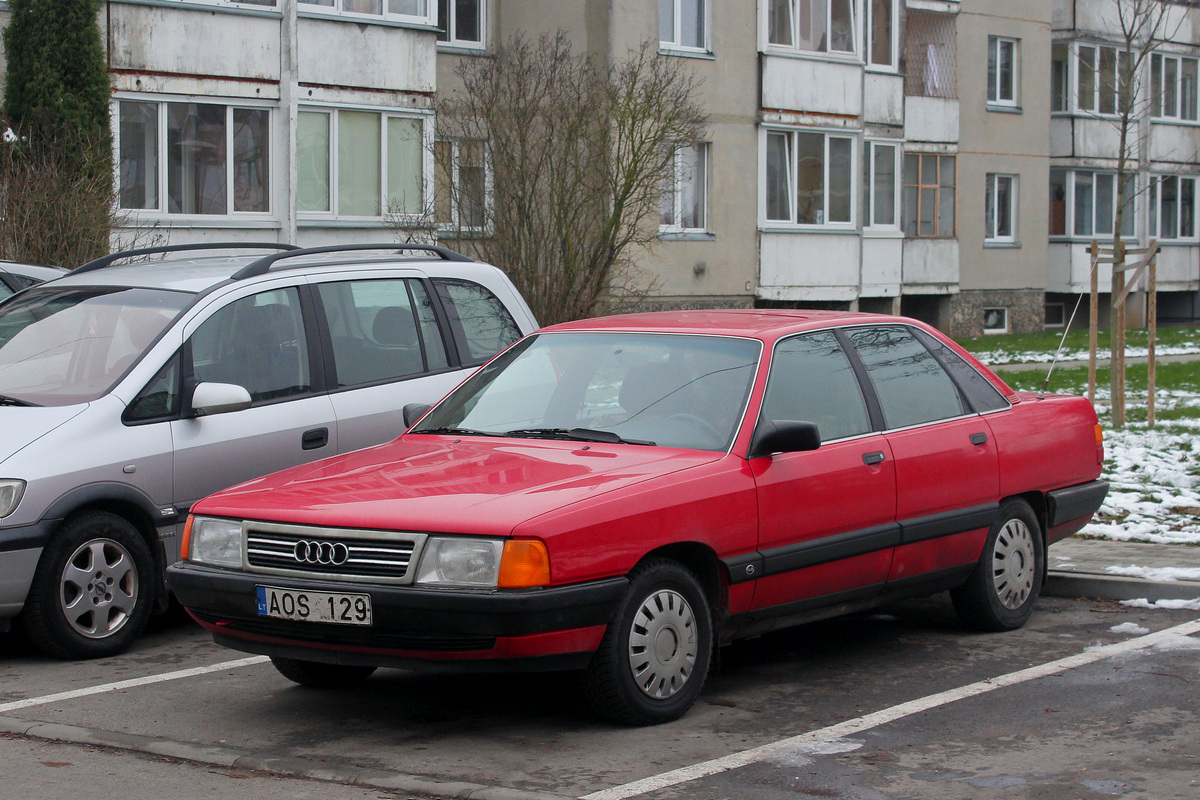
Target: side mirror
{"points": [[219, 398], [783, 436], [413, 412]]}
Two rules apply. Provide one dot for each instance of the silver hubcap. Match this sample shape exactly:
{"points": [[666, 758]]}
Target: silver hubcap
{"points": [[663, 644], [1013, 564], [99, 588]]}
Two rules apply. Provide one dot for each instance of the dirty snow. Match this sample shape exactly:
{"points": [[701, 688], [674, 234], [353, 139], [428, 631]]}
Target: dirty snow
{"points": [[1131, 628], [1175, 605], [1157, 574]]}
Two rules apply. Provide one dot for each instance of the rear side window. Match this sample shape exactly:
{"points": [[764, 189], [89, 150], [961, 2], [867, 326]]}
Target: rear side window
{"points": [[911, 385], [978, 389], [482, 325], [812, 381]]}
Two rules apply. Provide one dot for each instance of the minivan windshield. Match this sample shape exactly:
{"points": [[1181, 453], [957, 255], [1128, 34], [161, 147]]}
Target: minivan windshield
{"points": [[670, 390], [65, 345]]}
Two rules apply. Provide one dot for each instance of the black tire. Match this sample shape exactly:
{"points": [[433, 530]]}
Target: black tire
{"points": [[93, 589], [1001, 592], [316, 675], [635, 681]]}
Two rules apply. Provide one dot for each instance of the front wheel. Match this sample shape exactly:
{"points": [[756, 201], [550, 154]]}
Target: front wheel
{"points": [[654, 658], [93, 588], [316, 675], [1000, 593]]}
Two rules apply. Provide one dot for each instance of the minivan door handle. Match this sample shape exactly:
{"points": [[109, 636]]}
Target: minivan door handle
{"points": [[315, 439], [871, 459]]}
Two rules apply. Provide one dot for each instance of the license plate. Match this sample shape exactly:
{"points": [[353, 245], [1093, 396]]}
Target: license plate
{"points": [[305, 606]]}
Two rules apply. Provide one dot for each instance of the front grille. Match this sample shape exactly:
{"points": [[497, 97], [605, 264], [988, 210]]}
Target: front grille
{"points": [[318, 551]]}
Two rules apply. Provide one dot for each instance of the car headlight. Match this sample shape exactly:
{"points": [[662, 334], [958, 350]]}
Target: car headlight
{"points": [[460, 562], [217, 542], [10, 495]]}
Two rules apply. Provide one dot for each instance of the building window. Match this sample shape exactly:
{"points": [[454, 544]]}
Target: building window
{"points": [[809, 178], [819, 26], [460, 22], [881, 33], [1082, 203], [412, 10], [1101, 87], [193, 158], [882, 184], [461, 186], [685, 193], [1002, 71], [995, 320], [1055, 315], [929, 189], [1173, 93], [1060, 70], [931, 54], [353, 163], [683, 25], [1172, 208], [1000, 209]]}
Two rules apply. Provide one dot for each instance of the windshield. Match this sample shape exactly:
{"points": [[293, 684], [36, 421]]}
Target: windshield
{"points": [[672, 390], [61, 346]]}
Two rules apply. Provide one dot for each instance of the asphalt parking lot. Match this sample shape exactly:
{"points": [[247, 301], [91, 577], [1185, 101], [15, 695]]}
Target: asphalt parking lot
{"points": [[1090, 699]]}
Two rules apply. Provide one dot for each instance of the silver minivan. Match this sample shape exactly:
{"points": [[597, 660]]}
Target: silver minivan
{"points": [[128, 391]]}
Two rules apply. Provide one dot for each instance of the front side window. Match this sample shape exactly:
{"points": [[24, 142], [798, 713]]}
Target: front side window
{"points": [[1173, 87], [812, 381], [809, 178], [1002, 71], [818, 26], [1172, 208], [353, 163], [460, 22], [193, 158], [1084, 203], [1000, 208], [929, 195], [911, 386], [683, 24], [882, 184], [684, 193]]}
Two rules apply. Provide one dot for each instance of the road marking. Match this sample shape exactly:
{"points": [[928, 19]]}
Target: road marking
{"points": [[131, 683], [869, 721]]}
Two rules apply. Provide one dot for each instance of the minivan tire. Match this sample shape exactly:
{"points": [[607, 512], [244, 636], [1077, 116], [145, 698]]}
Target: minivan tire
{"points": [[93, 589]]}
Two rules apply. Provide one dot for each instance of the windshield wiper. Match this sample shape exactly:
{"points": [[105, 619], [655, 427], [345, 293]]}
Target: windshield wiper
{"points": [[452, 431], [5, 400], [576, 435]]}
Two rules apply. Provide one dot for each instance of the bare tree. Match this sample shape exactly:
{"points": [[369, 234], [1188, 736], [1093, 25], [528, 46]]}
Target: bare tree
{"points": [[551, 166]]}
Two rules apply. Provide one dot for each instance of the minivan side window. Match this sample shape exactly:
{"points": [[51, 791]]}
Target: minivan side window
{"points": [[811, 380], [381, 330], [160, 397], [481, 323], [258, 343], [912, 387]]}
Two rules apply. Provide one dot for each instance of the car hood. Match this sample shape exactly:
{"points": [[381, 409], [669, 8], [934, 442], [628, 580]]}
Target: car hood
{"points": [[20, 426], [432, 483]]}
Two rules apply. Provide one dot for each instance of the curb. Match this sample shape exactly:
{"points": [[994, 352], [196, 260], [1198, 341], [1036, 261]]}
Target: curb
{"points": [[234, 758], [1115, 587]]}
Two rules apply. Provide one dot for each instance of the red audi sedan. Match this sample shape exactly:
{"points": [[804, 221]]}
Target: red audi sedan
{"points": [[618, 496]]}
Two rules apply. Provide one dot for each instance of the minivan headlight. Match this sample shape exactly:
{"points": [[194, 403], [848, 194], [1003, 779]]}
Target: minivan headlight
{"points": [[10, 495], [216, 542]]}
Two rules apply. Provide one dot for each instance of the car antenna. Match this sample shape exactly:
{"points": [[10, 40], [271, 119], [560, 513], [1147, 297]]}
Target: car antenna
{"points": [[1046, 383]]}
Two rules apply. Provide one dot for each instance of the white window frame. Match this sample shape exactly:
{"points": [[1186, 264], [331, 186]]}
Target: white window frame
{"points": [[448, 26], [162, 189], [1158, 89], [995, 68], [1154, 203], [679, 180], [455, 225], [1098, 90], [870, 148], [334, 213], [792, 179], [856, 34], [337, 8], [674, 45], [1002, 314], [893, 63], [1070, 211], [992, 233]]}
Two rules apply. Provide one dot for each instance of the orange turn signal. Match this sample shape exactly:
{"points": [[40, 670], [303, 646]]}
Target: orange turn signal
{"points": [[1099, 444], [525, 564], [186, 543]]}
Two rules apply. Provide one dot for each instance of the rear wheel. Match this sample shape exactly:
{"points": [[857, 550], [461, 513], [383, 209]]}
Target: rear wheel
{"points": [[654, 658], [93, 588], [321, 676], [1000, 593]]}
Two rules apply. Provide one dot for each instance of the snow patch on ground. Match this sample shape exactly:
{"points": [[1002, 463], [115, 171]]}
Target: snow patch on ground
{"points": [[1131, 628], [1157, 574], [1173, 605]]}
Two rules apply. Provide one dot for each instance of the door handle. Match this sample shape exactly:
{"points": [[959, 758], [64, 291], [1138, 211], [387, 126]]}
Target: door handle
{"points": [[978, 438], [870, 459], [315, 439]]}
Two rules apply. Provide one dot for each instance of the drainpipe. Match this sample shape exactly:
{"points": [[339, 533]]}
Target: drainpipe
{"points": [[289, 91]]}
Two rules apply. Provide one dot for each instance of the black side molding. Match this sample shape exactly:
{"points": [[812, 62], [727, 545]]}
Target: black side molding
{"points": [[1075, 502]]}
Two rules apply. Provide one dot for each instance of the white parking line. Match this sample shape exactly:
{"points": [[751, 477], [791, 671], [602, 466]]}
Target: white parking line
{"points": [[864, 723], [130, 684]]}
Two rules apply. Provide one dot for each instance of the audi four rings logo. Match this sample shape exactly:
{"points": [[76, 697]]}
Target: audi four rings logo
{"points": [[330, 554]]}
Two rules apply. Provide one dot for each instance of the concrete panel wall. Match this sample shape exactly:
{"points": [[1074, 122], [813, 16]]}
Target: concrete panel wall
{"points": [[798, 266], [190, 42], [931, 119], [812, 86], [930, 265]]}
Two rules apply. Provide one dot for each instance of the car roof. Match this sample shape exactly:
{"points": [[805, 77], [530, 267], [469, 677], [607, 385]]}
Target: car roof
{"points": [[36, 271], [766, 324]]}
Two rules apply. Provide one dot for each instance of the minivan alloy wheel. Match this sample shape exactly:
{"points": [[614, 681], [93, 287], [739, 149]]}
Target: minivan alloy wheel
{"points": [[99, 588]]}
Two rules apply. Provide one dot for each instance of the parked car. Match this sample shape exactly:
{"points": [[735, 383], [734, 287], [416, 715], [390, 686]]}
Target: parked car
{"points": [[128, 392], [619, 495], [15, 276]]}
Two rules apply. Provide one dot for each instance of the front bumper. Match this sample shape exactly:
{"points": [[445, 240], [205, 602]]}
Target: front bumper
{"points": [[555, 628]]}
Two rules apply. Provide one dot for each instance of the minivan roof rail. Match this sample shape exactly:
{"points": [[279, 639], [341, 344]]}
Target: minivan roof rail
{"points": [[264, 264], [104, 261]]}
